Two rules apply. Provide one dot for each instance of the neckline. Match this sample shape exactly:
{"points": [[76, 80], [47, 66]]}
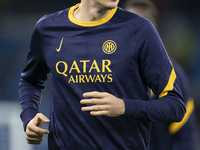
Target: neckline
{"points": [[92, 23]]}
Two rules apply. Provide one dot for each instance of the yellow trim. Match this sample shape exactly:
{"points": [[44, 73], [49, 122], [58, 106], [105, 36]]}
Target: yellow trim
{"points": [[92, 23], [176, 126], [170, 84]]}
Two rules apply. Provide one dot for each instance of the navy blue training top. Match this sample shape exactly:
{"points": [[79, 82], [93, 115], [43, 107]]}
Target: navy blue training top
{"points": [[121, 54], [181, 135]]}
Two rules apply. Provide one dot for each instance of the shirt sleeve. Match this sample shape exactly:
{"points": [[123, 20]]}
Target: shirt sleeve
{"points": [[184, 133], [32, 79], [158, 73]]}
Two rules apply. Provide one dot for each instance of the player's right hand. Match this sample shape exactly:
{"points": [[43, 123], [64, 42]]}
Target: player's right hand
{"points": [[34, 132]]}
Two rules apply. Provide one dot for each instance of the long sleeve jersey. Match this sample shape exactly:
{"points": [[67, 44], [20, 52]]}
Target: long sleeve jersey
{"points": [[121, 54], [173, 135]]}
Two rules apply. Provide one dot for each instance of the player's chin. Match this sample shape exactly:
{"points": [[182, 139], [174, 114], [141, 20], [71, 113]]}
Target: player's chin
{"points": [[110, 7], [112, 4]]}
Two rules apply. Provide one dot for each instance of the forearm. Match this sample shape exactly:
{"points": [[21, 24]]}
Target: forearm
{"points": [[30, 96], [166, 109]]}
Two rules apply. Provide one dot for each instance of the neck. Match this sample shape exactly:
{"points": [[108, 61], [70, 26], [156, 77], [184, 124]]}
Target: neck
{"points": [[88, 11]]}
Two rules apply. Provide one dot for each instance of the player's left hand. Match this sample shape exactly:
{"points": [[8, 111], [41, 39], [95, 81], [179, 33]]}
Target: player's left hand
{"points": [[103, 104]]}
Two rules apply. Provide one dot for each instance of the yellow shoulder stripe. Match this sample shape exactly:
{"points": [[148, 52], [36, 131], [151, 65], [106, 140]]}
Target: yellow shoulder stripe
{"points": [[170, 84], [176, 126], [92, 23]]}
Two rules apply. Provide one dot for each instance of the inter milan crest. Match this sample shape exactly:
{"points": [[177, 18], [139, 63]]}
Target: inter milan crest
{"points": [[109, 47]]}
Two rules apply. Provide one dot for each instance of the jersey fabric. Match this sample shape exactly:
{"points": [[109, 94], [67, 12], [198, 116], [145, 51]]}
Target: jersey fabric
{"points": [[177, 136], [121, 54]]}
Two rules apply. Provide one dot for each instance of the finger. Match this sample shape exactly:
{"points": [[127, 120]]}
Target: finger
{"points": [[32, 134], [93, 101], [38, 130], [90, 108], [35, 136], [39, 139], [95, 94], [99, 113], [42, 117], [34, 142], [95, 108]]}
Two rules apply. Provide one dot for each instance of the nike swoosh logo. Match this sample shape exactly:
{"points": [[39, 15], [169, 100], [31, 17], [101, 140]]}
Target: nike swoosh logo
{"points": [[59, 49]]}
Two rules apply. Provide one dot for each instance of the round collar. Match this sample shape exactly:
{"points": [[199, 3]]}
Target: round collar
{"points": [[92, 23]]}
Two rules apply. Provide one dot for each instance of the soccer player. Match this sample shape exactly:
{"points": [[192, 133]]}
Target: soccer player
{"points": [[102, 61], [169, 136]]}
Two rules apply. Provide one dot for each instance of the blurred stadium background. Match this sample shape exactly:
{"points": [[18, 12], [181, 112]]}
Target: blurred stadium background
{"points": [[179, 25]]}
